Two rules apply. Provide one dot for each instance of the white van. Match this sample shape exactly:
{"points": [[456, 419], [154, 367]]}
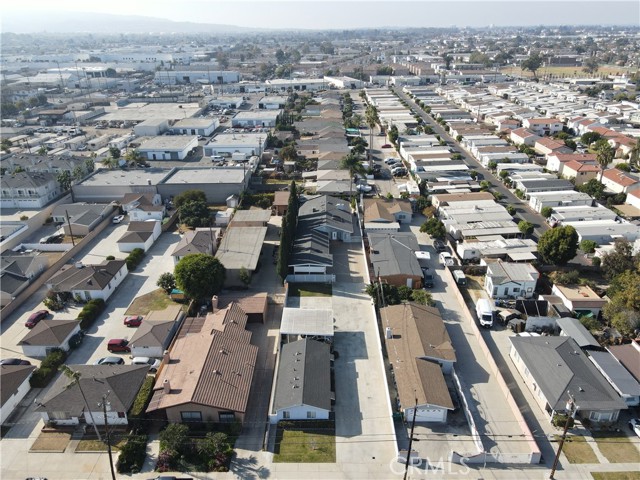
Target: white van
{"points": [[461, 279]]}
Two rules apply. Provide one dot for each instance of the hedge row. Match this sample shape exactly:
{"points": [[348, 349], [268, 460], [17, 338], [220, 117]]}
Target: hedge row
{"points": [[91, 311], [136, 413], [48, 368], [134, 258]]}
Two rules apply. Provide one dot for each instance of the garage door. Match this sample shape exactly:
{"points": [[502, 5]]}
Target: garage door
{"points": [[430, 415]]}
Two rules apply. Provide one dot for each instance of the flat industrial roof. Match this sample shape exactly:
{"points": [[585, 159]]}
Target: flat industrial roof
{"points": [[262, 114], [102, 177], [142, 111], [306, 321], [206, 175], [194, 122], [170, 142], [237, 139]]}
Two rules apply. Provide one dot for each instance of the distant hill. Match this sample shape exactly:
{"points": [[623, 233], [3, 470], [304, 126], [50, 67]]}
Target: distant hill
{"points": [[85, 22]]}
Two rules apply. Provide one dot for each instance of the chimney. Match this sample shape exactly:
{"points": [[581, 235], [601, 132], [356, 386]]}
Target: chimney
{"points": [[214, 303], [166, 386], [166, 357]]}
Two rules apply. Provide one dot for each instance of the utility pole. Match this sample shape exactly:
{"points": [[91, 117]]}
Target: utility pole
{"points": [[75, 378], [413, 424], [573, 409], [106, 432], [73, 242]]}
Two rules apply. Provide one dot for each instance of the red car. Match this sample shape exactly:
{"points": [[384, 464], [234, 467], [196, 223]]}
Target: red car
{"points": [[35, 317], [118, 345], [386, 145], [133, 320]]}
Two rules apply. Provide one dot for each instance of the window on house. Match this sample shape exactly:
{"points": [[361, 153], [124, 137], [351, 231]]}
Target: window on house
{"points": [[121, 415], [191, 416], [286, 414], [311, 415], [227, 417]]}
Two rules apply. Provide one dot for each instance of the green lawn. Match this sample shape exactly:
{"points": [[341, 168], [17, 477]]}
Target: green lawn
{"points": [[310, 289], [617, 447], [305, 446], [577, 450], [615, 475]]}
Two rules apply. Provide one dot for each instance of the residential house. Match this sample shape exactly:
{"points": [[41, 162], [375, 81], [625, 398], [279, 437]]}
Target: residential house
{"points": [[618, 377], [617, 181], [81, 218], [523, 136], [543, 126], [207, 375], [303, 382], [140, 235], [143, 206], [17, 272], [65, 404], [580, 172], [579, 298], [156, 332], [386, 215], [572, 327], [556, 161], [629, 356], [507, 280], [47, 335], [556, 370], [393, 258], [623, 145], [564, 198], [419, 351], [255, 305], [28, 190], [14, 386], [239, 251], [280, 203], [300, 323], [200, 240], [549, 146], [89, 281]]}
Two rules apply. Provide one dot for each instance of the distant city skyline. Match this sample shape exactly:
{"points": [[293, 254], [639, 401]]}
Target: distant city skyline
{"points": [[307, 14]]}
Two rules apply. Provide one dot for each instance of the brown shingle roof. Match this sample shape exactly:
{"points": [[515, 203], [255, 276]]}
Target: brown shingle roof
{"points": [[433, 384], [11, 377], [49, 333], [629, 356], [248, 303]]}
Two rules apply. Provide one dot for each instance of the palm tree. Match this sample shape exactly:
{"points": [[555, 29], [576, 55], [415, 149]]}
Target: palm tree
{"points": [[634, 156], [371, 117], [352, 163], [604, 155]]}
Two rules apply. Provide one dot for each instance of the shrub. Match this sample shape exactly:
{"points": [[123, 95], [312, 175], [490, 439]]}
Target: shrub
{"points": [[559, 420], [48, 220], [142, 400], [90, 312], [52, 302], [134, 258], [132, 454], [588, 246], [596, 261], [110, 257], [48, 368], [24, 218], [511, 210]]}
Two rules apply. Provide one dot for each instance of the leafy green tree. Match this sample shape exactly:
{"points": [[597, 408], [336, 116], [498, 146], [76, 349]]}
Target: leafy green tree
{"points": [[289, 153], [590, 137], [110, 163], [288, 232], [546, 212], [200, 276], [588, 246], [89, 165], [593, 187], [42, 151], [6, 145], [571, 144], [189, 196], [78, 172], [558, 245], [525, 227], [166, 281], [194, 214], [64, 179], [623, 308], [434, 227], [115, 152], [620, 259], [532, 64], [590, 65], [404, 292]]}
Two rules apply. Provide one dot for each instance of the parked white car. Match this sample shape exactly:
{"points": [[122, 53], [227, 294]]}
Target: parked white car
{"points": [[153, 363]]}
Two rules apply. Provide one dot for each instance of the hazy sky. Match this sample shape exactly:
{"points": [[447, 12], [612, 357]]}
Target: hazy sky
{"points": [[355, 14]]}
